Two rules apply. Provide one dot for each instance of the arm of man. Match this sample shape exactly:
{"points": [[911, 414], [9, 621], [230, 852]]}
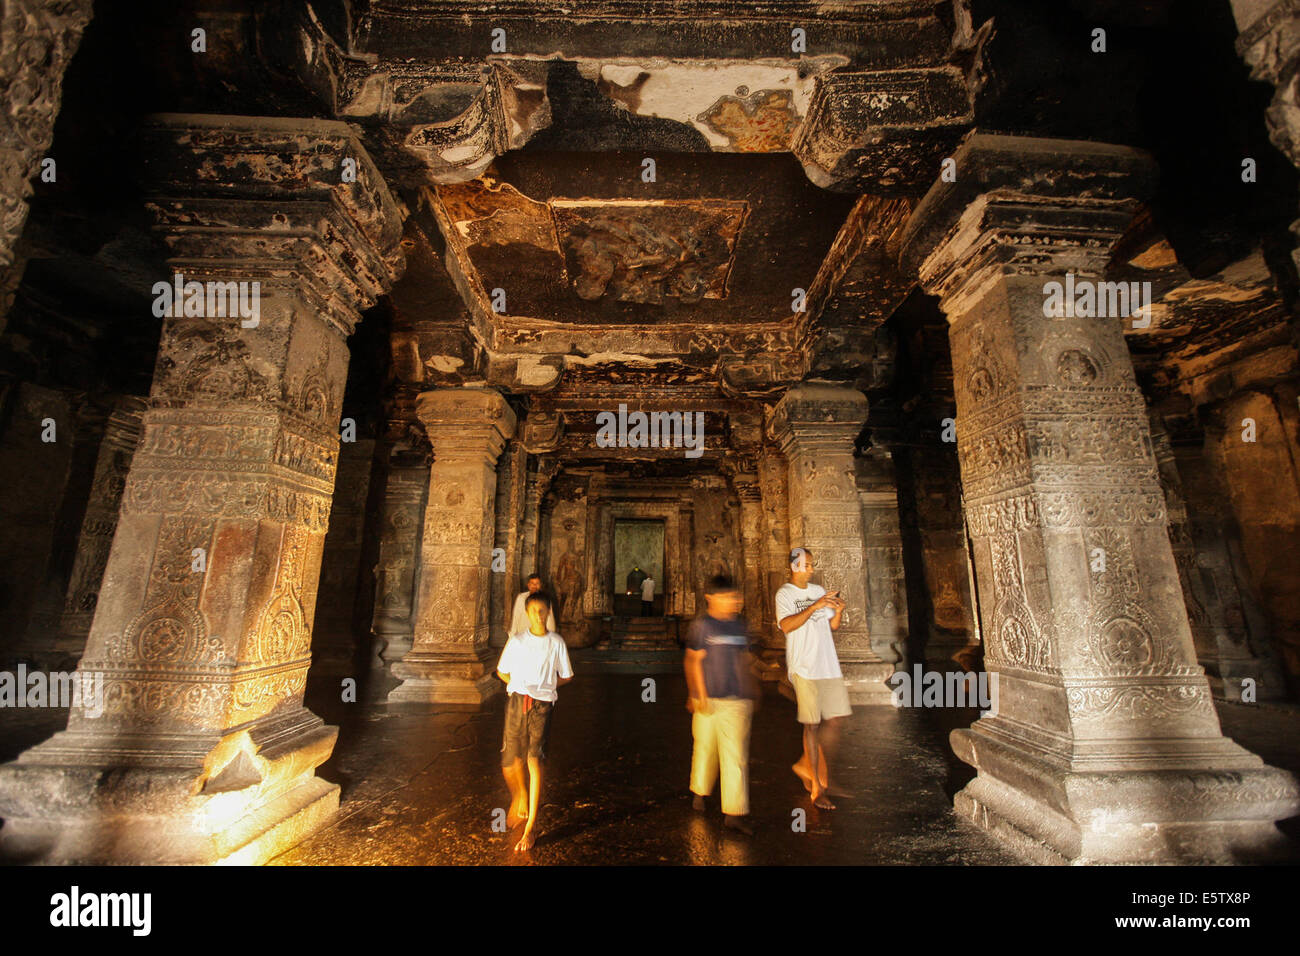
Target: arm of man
{"points": [[506, 662], [796, 621], [838, 604], [564, 673], [698, 701]]}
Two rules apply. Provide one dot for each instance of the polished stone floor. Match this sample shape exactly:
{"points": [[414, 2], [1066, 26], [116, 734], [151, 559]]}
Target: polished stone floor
{"points": [[421, 787]]}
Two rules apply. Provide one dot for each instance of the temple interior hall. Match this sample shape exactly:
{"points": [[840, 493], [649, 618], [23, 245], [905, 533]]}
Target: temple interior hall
{"points": [[326, 324]]}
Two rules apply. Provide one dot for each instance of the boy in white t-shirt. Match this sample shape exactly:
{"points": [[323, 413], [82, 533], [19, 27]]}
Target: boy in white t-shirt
{"points": [[807, 615], [533, 664]]}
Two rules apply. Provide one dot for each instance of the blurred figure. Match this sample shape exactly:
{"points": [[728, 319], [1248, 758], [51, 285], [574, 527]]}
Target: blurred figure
{"points": [[533, 664], [722, 693], [808, 615], [647, 596], [519, 619]]}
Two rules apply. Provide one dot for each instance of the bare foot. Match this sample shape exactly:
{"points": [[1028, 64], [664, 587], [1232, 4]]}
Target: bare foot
{"points": [[739, 823], [525, 842], [823, 802], [802, 772], [516, 816]]}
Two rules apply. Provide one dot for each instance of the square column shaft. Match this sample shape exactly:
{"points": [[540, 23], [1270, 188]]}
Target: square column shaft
{"points": [[816, 427], [450, 661], [1105, 746]]}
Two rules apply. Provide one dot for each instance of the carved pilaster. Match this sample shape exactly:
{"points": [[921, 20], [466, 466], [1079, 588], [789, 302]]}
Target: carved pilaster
{"points": [[536, 485], [399, 556], [449, 661], [1105, 746], [203, 626], [883, 549], [772, 480], [506, 582], [816, 427]]}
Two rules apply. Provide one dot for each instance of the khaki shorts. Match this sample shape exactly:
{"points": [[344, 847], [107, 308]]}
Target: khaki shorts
{"points": [[820, 700]]}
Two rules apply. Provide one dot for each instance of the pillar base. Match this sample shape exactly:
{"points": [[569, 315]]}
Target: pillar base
{"points": [[83, 798], [866, 682], [1219, 807], [466, 681]]}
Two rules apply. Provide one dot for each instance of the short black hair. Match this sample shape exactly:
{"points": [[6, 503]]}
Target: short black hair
{"points": [[794, 553], [719, 584], [533, 577], [537, 597]]}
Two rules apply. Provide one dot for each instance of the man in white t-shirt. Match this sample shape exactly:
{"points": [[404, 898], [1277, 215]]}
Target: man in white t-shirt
{"points": [[647, 596], [533, 664], [519, 618], [807, 615]]}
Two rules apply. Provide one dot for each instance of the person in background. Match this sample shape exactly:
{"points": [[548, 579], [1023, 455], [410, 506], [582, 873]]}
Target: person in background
{"points": [[519, 619]]}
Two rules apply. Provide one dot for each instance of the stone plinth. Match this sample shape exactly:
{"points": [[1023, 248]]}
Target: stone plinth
{"points": [[1105, 746], [450, 661], [202, 632], [816, 426]]}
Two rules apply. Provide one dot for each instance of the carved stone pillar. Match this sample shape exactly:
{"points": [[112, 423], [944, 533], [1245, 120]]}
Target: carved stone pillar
{"points": [[772, 480], [883, 548], [336, 638], [1214, 609], [1105, 746], [1269, 42], [38, 39], [405, 494], [816, 427], [121, 435], [750, 496], [535, 488], [450, 659], [509, 505], [202, 632]]}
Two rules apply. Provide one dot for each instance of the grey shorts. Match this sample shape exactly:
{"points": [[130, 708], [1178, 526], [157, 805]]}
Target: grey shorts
{"points": [[819, 700], [525, 732]]}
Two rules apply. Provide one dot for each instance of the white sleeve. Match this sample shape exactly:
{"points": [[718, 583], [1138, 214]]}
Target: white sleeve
{"points": [[507, 658], [565, 669], [784, 604]]}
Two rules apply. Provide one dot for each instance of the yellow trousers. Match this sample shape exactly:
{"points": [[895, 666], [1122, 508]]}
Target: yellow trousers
{"points": [[722, 743]]}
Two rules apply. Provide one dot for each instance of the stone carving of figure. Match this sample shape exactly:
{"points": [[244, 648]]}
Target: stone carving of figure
{"points": [[569, 584]]}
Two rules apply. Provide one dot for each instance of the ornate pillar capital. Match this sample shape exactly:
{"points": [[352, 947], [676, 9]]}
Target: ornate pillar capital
{"points": [[295, 204], [811, 413], [1023, 206], [465, 422]]}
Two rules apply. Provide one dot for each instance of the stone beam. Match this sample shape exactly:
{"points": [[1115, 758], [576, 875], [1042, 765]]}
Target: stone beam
{"points": [[1105, 746]]}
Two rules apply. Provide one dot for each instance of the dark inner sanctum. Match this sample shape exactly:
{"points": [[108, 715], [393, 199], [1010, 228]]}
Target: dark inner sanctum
{"points": [[326, 324]]}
